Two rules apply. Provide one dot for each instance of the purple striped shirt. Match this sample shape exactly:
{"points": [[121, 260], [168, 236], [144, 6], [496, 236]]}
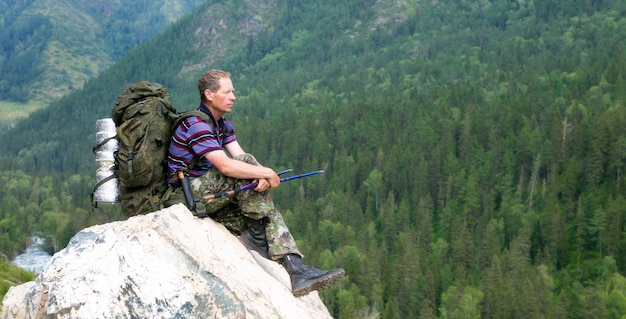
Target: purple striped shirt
{"points": [[195, 138]]}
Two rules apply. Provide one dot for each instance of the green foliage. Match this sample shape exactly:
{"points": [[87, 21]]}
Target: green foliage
{"points": [[463, 303], [52, 208], [22, 44], [11, 276], [474, 152], [47, 51]]}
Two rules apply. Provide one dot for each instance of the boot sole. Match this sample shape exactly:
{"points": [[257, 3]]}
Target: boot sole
{"points": [[322, 283]]}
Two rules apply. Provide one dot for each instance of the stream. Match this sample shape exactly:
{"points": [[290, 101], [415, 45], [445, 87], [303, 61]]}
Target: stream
{"points": [[34, 258]]}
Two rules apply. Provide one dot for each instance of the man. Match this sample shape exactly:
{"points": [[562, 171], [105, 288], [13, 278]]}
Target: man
{"points": [[214, 161]]}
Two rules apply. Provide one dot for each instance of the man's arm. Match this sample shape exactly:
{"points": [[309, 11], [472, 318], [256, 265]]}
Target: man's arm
{"points": [[230, 167], [234, 149]]}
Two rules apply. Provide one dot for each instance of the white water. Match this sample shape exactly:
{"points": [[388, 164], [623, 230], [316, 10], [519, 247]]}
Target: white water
{"points": [[34, 258]]}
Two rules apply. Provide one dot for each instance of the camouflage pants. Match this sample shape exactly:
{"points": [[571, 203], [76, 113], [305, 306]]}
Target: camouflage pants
{"points": [[232, 212]]}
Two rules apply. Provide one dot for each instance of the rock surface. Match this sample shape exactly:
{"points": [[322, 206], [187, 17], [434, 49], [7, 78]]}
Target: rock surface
{"points": [[167, 264]]}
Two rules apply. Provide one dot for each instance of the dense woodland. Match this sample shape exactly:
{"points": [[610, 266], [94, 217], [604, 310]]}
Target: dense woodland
{"points": [[21, 46], [474, 152]]}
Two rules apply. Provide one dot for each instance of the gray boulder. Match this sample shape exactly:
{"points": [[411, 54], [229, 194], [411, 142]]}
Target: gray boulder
{"points": [[167, 264]]}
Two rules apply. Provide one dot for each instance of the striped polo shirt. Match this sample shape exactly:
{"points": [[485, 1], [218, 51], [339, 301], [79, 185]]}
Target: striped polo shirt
{"points": [[195, 138]]}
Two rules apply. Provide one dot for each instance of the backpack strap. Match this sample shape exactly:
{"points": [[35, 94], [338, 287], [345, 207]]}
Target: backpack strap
{"points": [[205, 117], [94, 204], [198, 209], [97, 147]]}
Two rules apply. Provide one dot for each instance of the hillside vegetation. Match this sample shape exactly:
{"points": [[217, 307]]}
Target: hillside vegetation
{"points": [[51, 47], [474, 152]]}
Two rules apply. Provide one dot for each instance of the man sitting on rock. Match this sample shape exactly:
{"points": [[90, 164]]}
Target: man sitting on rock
{"points": [[214, 161]]}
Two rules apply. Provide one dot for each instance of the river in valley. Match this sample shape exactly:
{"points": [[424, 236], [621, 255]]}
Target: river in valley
{"points": [[34, 258]]}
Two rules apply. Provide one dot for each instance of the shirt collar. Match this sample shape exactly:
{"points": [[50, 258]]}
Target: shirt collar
{"points": [[203, 108]]}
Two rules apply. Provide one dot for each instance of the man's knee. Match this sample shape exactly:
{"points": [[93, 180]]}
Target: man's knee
{"points": [[248, 158]]}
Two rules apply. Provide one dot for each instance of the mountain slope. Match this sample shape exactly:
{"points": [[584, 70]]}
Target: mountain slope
{"points": [[227, 35], [50, 47]]}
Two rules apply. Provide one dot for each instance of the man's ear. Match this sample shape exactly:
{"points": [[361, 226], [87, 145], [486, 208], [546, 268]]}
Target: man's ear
{"points": [[208, 95]]}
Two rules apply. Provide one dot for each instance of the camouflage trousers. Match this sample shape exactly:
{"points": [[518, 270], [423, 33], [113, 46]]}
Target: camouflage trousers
{"points": [[232, 212]]}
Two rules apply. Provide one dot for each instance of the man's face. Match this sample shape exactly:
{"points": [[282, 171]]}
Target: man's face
{"points": [[223, 100]]}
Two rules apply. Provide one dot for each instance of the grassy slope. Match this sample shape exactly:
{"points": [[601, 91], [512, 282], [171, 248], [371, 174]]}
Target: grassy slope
{"points": [[11, 111], [11, 276]]}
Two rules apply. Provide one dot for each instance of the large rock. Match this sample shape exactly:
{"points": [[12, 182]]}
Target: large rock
{"points": [[167, 264]]}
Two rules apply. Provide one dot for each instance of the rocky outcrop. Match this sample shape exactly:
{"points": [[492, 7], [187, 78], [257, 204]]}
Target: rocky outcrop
{"points": [[167, 264]]}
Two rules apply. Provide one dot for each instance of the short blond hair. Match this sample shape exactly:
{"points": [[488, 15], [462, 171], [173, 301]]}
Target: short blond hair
{"points": [[210, 80]]}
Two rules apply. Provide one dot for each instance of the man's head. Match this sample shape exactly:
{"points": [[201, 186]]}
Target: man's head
{"points": [[217, 92], [210, 80]]}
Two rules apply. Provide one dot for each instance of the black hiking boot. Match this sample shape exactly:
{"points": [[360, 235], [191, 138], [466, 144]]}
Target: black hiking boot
{"points": [[253, 238], [305, 279]]}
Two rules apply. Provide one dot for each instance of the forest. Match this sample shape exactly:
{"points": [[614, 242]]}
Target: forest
{"points": [[473, 151]]}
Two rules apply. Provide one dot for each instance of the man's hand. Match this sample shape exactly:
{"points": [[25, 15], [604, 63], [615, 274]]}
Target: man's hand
{"points": [[264, 184]]}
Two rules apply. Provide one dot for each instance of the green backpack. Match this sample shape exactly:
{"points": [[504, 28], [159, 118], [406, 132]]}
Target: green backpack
{"points": [[145, 120]]}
